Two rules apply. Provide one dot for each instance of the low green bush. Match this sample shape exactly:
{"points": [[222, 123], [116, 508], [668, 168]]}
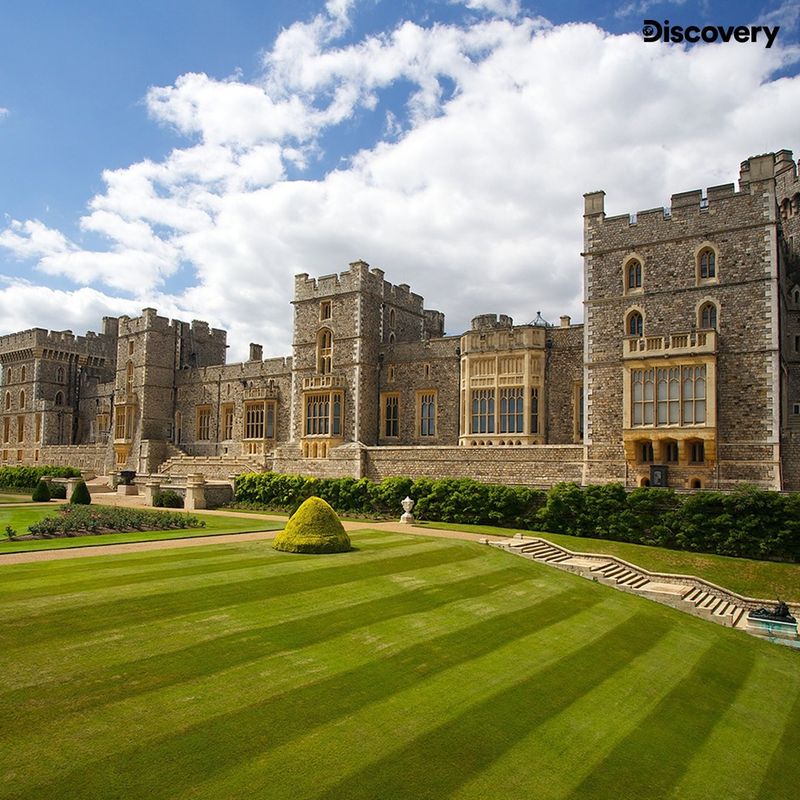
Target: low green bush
{"points": [[168, 499], [313, 528], [80, 495], [58, 491], [80, 520], [41, 494], [28, 477]]}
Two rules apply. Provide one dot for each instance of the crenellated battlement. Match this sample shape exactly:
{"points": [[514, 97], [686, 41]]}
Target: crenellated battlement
{"points": [[38, 340]]}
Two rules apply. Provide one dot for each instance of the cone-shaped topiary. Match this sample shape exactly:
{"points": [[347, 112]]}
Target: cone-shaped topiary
{"points": [[313, 528], [41, 494], [80, 494]]}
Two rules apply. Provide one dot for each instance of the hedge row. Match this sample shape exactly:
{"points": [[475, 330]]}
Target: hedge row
{"points": [[28, 477], [750, 522]]}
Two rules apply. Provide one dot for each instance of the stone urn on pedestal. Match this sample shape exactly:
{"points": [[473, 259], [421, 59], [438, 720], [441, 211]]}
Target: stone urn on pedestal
{"points": [[408, 517]]}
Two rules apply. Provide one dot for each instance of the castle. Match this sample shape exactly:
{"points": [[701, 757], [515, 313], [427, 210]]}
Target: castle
{"points": [[685, 372]]}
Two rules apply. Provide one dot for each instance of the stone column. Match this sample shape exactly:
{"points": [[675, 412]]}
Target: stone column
{"points": [[195, 492], [151, 489]]}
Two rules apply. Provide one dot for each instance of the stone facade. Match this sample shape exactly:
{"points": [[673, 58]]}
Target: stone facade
{"points": [[689, 360]]}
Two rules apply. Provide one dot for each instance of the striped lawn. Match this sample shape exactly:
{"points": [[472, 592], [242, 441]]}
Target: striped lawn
{"points": [[408, 668]]}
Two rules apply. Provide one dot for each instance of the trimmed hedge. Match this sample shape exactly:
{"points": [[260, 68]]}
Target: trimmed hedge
{"points": [[41, 494], [313, 528], [167, 499], [748, 523], [80, 495], [28, 477]]}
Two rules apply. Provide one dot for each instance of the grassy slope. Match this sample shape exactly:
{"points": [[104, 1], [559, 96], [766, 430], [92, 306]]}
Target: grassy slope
{"points": [[764, 579], [409, 668], [20, 518]]}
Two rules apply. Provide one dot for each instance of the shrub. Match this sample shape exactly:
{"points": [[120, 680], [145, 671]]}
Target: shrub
{"points": [[41, 494], [168, 499], [80, 495], [58, 491], [313, 528], [28, 477]]}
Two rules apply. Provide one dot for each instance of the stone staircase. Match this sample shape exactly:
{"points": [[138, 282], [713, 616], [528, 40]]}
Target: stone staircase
{"points": [[213, 467], [685, 592]]}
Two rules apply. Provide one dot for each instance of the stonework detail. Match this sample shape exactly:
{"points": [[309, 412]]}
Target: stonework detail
{"points": [[688, 362]]}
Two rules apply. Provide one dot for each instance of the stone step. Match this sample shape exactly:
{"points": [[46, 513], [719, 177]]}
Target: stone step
{"points": [[738, 614], [701, 598], [723, 608], [690, 595], [711, 604], [557, 558], [615, 572], [638, 582]]}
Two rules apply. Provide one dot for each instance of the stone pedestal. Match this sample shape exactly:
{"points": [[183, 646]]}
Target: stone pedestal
{"points": [[151, 489], [408, 517], [195, 492], [71, 484], [127, 489]]}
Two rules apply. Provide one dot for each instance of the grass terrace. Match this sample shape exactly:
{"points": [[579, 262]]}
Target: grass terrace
{"points": [[406, 668]]}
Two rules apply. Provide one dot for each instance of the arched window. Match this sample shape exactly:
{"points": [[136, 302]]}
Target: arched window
{"points": [[324, 352], [391, 338], [22, 374], [707, 318], [635, 324], [60, 375], [696, 483], [706, 264], [22, 399], [129, 378], [59, 398], [633, 274], [796, 297], [391, 318], [9, 375]]}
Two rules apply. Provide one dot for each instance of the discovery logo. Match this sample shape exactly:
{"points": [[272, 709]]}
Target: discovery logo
{"points": [[654, 31]]}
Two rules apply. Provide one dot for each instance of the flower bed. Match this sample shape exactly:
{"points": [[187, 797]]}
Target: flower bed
{"points": [[92, 520]]}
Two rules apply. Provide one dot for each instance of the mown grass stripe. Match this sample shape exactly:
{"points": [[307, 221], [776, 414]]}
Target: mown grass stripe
{"points": [[193, 755], [79, 620], [181, 571], [22, 709], [569, 745], [783, 771], [754, 723], [423, 768], [652, 759]]}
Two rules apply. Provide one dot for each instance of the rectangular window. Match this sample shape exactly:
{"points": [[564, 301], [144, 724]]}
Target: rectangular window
{"points": [[694, 395], [324, 414], [671, 452], [227, 421], [646, 452], [427, 414], [483, 411], [796, 408], [697, 453], [391, 415], [535, 410], [203, 427], [38, 436], [668, 396], [577, 405], [512, 419], [270, 432], [325, 309], [20, 429], [123, 422], [797, 344], [7, 429], [254, 420]]}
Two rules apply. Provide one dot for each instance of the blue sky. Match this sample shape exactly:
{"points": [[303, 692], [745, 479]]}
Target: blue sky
{"points": [[194, 155]]}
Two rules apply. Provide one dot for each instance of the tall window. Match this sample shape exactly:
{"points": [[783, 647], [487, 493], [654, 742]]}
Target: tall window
{"points": [[325, 309], [635, 326], [254, 421], [9, 375], [129, 378], [668, 396], [324, 414], [483, 411], [7, 429], [391, 415], [22, 399], [8, 400], [324, 352], [633, 274], [708, 316], [706, 264], [60, 375], [20, 428], [670, 451], [646, 452], [512, 419], [697, 453], [427, 414], [227, 421], [694, 395], [59, 400], [203, 423], [22, 374]]}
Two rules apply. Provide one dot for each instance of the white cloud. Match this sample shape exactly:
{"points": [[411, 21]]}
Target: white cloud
{"points": [[3, 112], [641, 7], [473, 196]]}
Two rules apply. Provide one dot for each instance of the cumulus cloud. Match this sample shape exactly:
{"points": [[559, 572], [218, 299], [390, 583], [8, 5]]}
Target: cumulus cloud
{"points": [[3, 112], [471, 193], [502, 8]]}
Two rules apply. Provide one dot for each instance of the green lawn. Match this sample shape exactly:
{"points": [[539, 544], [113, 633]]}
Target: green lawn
{"points": [[20, 518], [762, 579], [15, 498], [410, 668]]}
